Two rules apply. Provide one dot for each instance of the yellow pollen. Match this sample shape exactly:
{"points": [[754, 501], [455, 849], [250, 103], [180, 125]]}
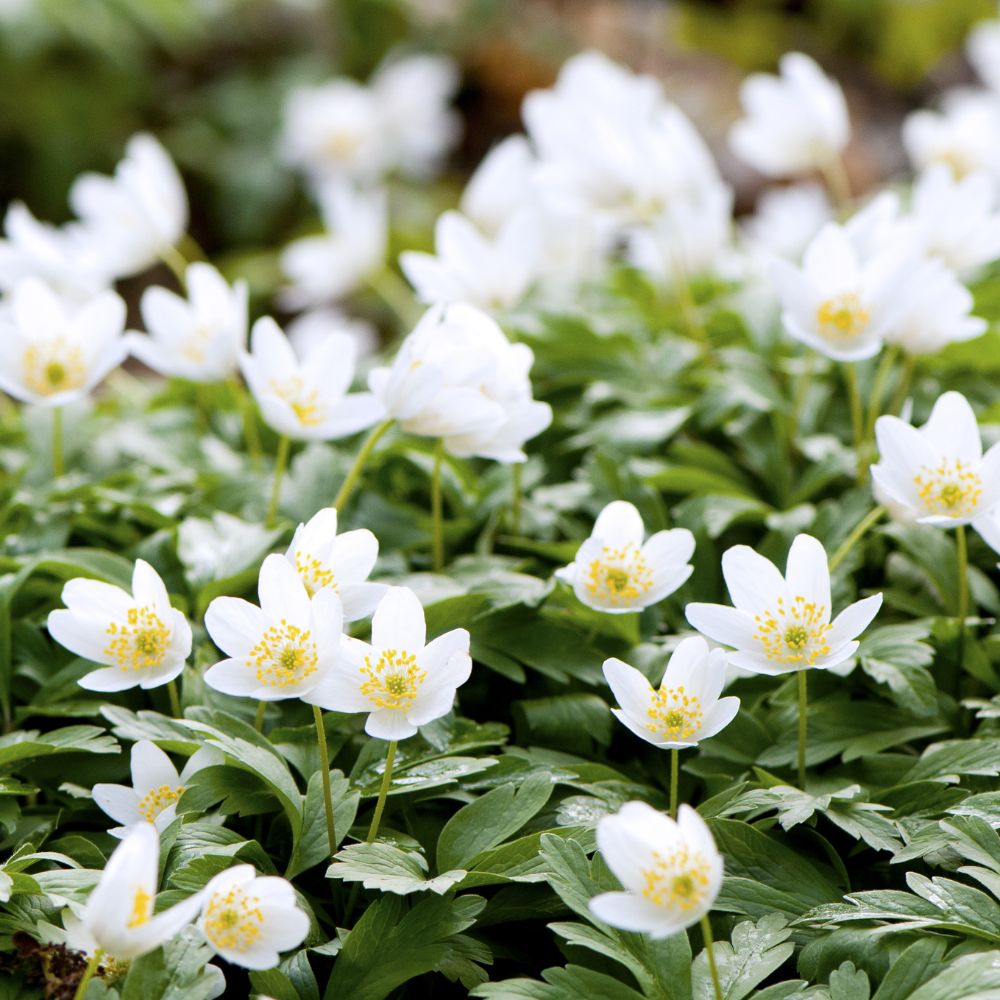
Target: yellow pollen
{"points": [[674, 714], [619, 576], [195, 346], [305, 403], [314, 575], [794, 635], [141, 642], [394, 681], [284, 655], [677, 881], [157, 799], [842, 318], [53, 366], [342, 145], [142, 908], [953, 489], [233, 920]]}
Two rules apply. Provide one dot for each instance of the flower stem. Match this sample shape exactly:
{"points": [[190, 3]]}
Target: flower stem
{"points": [[857, 426], [177, 263], [878, 386], [347, 486], [516, 494], [324, 764], [397, 295], [437, 540], [905, 381], [175, 700], [801, 394], [57, 442], [963, 575], [689, 309], [838, 184], [251, 433], [92, 965], [258, 719], [803, 724], [675, 766], [280, 461], [860, 529], [706, 933], [390, 756]]}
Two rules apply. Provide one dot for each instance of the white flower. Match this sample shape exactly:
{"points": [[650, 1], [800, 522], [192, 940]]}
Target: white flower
{"points": [[939, 472], [306, 399], [837, 302], [457, 377], [282, 649], [309, 328], [983, 49], [139, 638], [156, 788], [198, 338], [686, 708], [399, 680], [325, 268], [136, 215], [788, 218], [501, 186], [962, 136], [782, 623], [118, 917], [671, 871], [796, 122], [249, 919], [470, 267], [342, 563], [615, 572], [936, 312], [52, 351]]}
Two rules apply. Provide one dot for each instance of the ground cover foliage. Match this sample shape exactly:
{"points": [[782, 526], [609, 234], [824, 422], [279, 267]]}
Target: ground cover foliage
{"points": [[878, 878]]}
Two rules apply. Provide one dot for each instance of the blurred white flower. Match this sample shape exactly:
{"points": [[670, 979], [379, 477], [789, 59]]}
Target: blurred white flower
{"points": [[118, 918], [686, 708], [327, 267], [308, 329], [787, 219], [199, 337], [342, 563], [457, 377], [838, 303], [137, 215], [501, 186], [249, 919], [671, 871], [615, 572], [983, 49], [307, 398], [402, 681], [493, 274], [962, 136], [781, 624], [796, 122], [54, 351], [282, 649], [138, 637], [155, 790]]}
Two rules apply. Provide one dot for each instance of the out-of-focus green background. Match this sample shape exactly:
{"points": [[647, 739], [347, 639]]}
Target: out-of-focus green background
{"points": [[209, 77]]}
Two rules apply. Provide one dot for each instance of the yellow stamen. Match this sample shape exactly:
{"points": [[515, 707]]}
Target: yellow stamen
{"points": [[794, 635], [284, 655], [952, 489], [53, 366], [842, 318], [394, 681], [233, 920], [619, 576], [141, 642], [678, 880]]}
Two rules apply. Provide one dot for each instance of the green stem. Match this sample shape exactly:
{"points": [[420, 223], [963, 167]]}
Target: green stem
{"points": [[437, 540], [855, 536], [258, 719], [878, 386], [177, 263], [963, 575], [397, 295], [675, 767], [280, 461], [347, 486], [706, 933], [390, 756], [92, 965], [838, 184], [57, 442], [516, 494], [857, 427], [324, 764], [801, 394], [689, 309], [175, 700], [251, 433], [905, 381], [803, 724]]}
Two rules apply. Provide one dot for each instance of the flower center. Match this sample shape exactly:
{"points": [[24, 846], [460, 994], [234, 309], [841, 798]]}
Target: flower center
{"points": [[195, 347], [674, 714], [342, 145], [142, 908], [394, 681], [842, 317], [795, 635], [284, 655], [676, 881], [619, 576], [157, 799], [141, 642], [233, 920], [53, 366], [952, 489], [314, 575], [309, 410]]}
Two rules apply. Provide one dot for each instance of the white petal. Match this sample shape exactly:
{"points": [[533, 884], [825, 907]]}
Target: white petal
{"points": [[853, 620], [722, 624], [754, 582], [389, 724], [808, 572], [619, 524], [398, 622]]}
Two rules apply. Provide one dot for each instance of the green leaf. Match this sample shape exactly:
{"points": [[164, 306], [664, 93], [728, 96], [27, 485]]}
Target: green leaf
{"points": [[390, 869], [913, 968], [897, 656], [174, 972], [849, 983], [23, 745], [755, 950], [313, 843]]}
